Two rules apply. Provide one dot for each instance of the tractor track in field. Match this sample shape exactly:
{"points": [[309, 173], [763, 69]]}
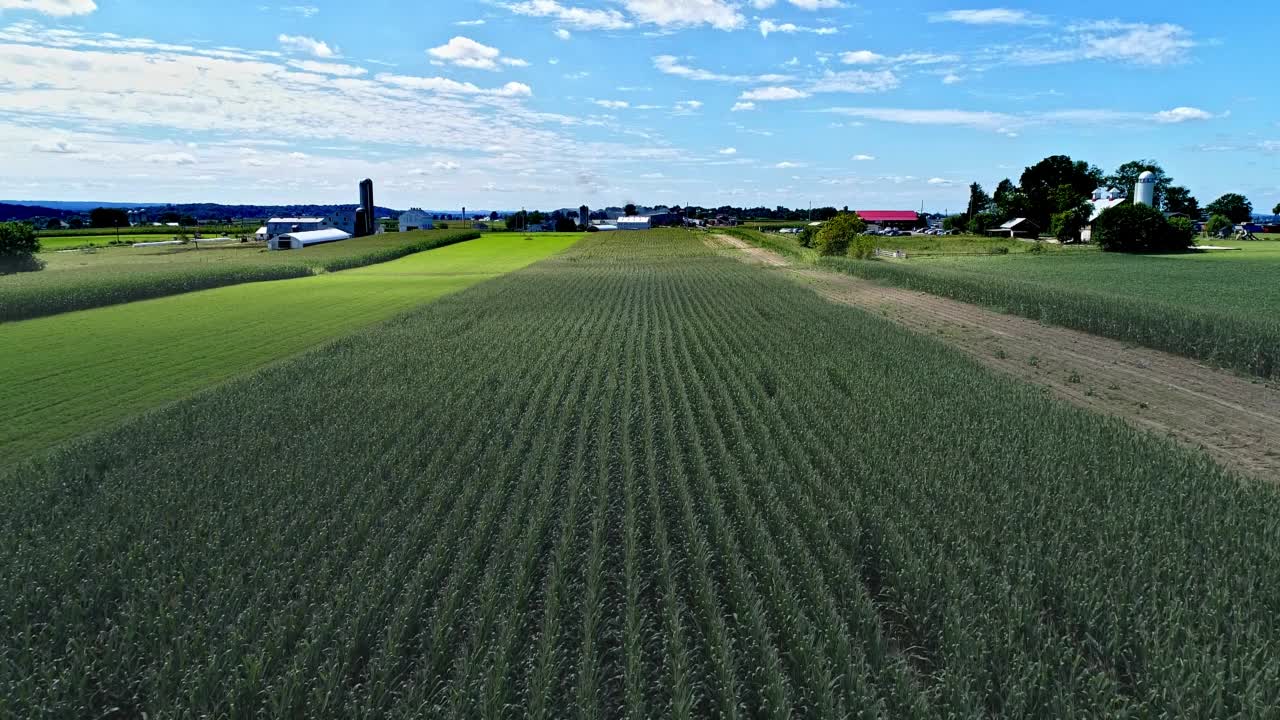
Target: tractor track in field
{"points": [[1233, 418]]}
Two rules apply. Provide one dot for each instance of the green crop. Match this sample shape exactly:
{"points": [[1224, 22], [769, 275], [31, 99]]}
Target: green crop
{"points": [[638, 479], [76, 281]]}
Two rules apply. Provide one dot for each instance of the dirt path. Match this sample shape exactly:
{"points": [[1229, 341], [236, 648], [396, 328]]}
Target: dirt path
{"points": [[1234, 419]]}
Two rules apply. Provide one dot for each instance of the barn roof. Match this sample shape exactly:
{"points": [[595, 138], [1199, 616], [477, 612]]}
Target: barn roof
{"points": [[318, 235], [889, 215]]}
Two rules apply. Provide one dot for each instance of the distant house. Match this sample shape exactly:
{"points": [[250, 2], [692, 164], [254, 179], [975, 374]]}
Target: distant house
{"points": [[1017, 227], [261, 234], [897, 219]]}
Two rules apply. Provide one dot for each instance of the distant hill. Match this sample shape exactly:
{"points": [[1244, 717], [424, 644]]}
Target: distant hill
{"points": [[26, 212], [74, 207]]}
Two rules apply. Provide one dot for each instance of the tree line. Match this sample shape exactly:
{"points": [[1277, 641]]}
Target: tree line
{"points": [[1055, 194]]}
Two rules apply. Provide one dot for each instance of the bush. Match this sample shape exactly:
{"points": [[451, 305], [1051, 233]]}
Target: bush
{"points": [[18, 247], [807, 236], [442, 226], [1183, 229], [1067, 226], [982, 222], [1137, 228], [1217, 224], [837, 234], [863, 248]]}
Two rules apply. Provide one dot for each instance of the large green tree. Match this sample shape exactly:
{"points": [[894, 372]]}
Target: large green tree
{"points": [[979, 201], [1041, 183], [19, 244], [1232, 206], [108, 217], [1276, 210], [1009, 201], [1126, 178], [838, 233], [1178, 199]]}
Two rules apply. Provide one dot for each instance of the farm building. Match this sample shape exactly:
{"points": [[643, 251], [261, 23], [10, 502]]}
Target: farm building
{"points": [[261, 234], [1017, 227], [415, 219], [280, 226], [647, 222], [1103, 199], [300, 240], [897, 219]]}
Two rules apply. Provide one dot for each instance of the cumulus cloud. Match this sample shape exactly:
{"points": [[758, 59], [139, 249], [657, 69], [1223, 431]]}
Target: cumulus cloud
{"points": [[861, 57], [768, 27], [57, 8], [991, 16], [864, 158], [56, 147], [1182, 114], [729, 151], [446, 86], [582, 18], [672, 65], [1137, 43], [325, 68], [467, 53], [856, 81], [687, 13], [742, 106], [773, 94], [940, 181], [563, 34], [309, 45]]}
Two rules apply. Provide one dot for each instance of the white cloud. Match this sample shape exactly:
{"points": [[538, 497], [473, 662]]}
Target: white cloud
{"points": [[1182, 114], [173, 158], [445, 166], [467, 53], [768, 27], [861, 57], [743, 106], [470, 23], [773, 94], [940, 181], [56, 147], [718, 14], [951, 79], [856, 81], [1135, 43], [325, 68], [729, 151], [992, 16], [57, 8], [563, 34], [445, 86], [301, 43], [816, 4], [864, 158], [581, 18], [982, 120], [672, 65], [688, 107], [613, 104], [787, 165], [306, 11]]}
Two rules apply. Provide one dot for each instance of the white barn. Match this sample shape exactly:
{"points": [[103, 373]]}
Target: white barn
{"points": [[635, 222], [300, 240], [280, 226], [415, 219], [1103, 200], [261, 234]]}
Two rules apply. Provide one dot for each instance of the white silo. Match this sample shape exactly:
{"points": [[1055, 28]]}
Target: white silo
{"points": [[1145, 192]]}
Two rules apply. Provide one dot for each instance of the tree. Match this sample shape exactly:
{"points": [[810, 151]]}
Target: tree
{"points": [[1217, 224], [566, 224], [838, 233], [19, 244], [75, 223], [493, 216], [1232, 206], [1041, 182], [1126, 178], [958, 223], [517, 221], [982, 222], [629, 210], [1009, 202], [108, 218], [1179, 201], [1276, 210], [979, 200], [1137, 228]]}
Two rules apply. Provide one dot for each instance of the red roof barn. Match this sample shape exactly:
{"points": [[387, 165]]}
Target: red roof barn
{"points": [[905, 219]]}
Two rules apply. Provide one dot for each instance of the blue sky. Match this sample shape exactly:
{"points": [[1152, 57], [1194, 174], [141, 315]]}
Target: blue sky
{"points": [[548, 103]]}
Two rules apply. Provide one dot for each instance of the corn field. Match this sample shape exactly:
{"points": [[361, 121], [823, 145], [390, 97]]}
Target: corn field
{"points": [[636, 480]]}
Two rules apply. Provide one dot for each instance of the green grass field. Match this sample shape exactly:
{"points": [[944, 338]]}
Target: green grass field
{"points": [[639, 479], [69, 374], [54, 244], [106, 276]]}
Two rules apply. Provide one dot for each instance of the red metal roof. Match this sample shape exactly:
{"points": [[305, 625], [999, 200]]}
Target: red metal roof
{"points": [[889, 215]]}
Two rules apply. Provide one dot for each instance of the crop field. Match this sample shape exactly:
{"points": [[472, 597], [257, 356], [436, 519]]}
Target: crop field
{"points": [[108, 276], [54, 244], [638, 479], [73, 373]]}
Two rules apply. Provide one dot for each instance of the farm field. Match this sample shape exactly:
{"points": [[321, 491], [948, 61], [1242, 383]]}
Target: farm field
{"points": [[54, 244], [107, 276], [73, 373], [638, 479]]}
